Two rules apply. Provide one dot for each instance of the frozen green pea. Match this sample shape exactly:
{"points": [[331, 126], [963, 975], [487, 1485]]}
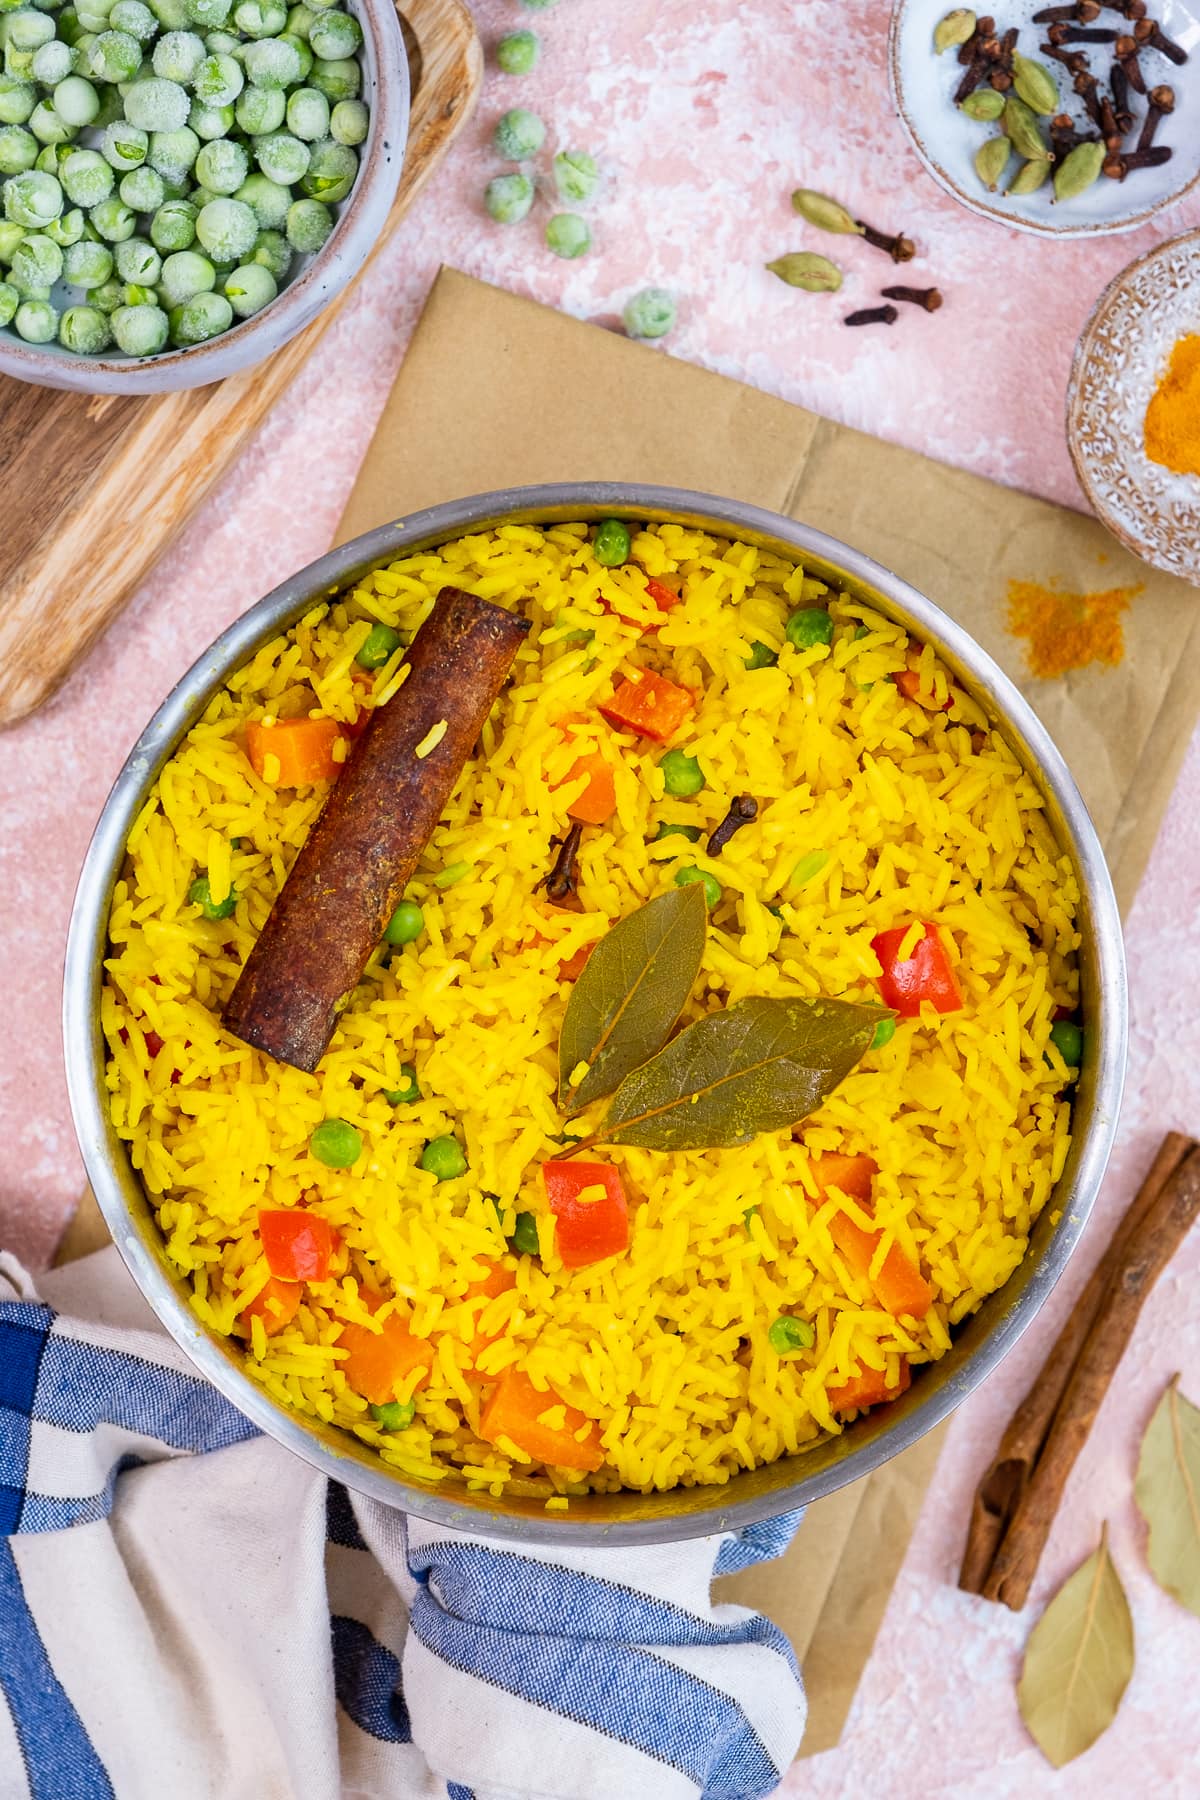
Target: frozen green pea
{"points": [[37, 263], [217, 82], [284, 158], [28, 30], [114, 220], [18, 150], [517, 52], [209, 122], [18, 63], [32, 199], [173, 226], [140, 330], [93, 14], [67, 229], [87, 264], [157, 105], [184, 275], [338, 79], [331, 172], [17, 100], [114, 56], [48, 127], [266, 199], [308, 114], [309, 223], [335, 35], [299, 20], [539, 5], [349, 122], [36, 321], [249, 288], [109, 295], [200, 318], [112, 106], [70, 29], [223, 43], [132, 17], [508, 198], [649, 314], [172, 154], [10, 236], [270, 63], [518, 135], [177, 56], [134, 294], [260, 110], [9, 302], [222, 166], [86, 178], [302, 51], [52, 63], [200, 196], [273, 251], [137, 261], [50, 158], [568, 235], [142, 189], [85, 330], [575, 175], [124, 146], [209, 15], [227, 229], [260, 18]]}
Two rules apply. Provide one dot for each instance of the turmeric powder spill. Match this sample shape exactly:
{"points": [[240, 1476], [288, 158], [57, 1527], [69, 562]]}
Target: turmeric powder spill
{"points": [[1067, 631], [1173, 415]]}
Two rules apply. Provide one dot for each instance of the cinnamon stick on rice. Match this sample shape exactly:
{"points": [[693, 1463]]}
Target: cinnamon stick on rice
{"points": [[1007, 1476], [353, 867], [1156, 1224]]}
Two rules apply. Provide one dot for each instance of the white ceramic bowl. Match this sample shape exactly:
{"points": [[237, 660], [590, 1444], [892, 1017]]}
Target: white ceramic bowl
{"points": [[946, 140], [317, 279], [1122, 352]]}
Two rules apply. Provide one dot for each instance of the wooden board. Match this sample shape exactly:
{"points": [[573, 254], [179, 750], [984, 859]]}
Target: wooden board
{"points": [[69, 462]]}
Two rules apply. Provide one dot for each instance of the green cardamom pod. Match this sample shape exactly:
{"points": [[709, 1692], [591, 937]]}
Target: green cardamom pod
{"points": [[954, 29], [1030, 177], [985, 103], [1035, 85], [1020, 122], [991, 160], [805, 269], [1076, 172], [824, 213]]}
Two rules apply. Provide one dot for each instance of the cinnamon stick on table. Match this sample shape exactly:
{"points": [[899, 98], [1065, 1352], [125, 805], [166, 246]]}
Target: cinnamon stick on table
{"points": [[352, 868], [1007, 1476], [1163, 1212]]}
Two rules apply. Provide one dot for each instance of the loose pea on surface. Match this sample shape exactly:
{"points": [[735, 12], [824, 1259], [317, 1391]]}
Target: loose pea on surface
{"points": [[200, 894], [380, 643], [336, 1144], [568, 235], [575, 175], [443, 1157], [508, 198], [786, 1334], [712, 887], [406, 923], [611, 543], [517, 53], [649, 314], [681, 774], [519, 134], [809, 625], [409, 1092]]}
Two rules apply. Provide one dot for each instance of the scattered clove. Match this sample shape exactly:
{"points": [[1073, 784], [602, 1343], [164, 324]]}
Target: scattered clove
{"points": [[1126, 53], [560, 883], [743, 809], [899, 248], [1083, 12], [1162, 104], [872, 315], [1078, 34], [1146, 31], [1117, 167], [1074, 61], [929, 298]]}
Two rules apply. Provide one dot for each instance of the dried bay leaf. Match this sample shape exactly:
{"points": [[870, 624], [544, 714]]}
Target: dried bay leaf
{"points": [[1168, 1495], [630, 993], [760, 1065], [1078, 1660]]}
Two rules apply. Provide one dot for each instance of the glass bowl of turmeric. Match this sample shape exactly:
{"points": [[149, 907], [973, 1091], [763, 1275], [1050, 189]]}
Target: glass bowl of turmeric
{"points": [[1133, 407]]}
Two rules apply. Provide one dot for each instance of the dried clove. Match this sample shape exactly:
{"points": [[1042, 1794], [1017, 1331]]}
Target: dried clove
{"points": [[1119, 82], [743, 809], [1146, 31], [872, 315], [1083, 12], [1110, 131], [1079, 34], [1073, 60], [972, 76], [1162, 104], [560, 883], [899, 248], [984, 28], [1085, 87], [1063, 135], [1118, 167], [1126, 54], [929, 298]]}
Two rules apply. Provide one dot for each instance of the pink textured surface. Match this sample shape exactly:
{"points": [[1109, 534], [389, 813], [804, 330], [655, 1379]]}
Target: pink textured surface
{"points": [[705, 114]]}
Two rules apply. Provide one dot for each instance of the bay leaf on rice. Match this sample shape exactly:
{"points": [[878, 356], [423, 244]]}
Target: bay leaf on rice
{"points": [[630, 993], [1168, 1495], [1078, 1661]]}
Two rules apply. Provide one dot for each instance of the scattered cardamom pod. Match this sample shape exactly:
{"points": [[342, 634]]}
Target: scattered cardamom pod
{"points": [[1030, 177], [805, 269], [1035, 85], [954, 29], [985, 103], [991, 160], [1076, 172], [824, 213], [1020, 122]]}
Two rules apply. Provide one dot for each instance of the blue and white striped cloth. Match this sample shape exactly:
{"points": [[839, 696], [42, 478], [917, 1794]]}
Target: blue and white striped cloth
{"points": [[188, 1612]]}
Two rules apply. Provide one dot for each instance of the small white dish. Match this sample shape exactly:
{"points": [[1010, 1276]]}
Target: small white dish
{"points": [[946, 140], [1120, 358]]}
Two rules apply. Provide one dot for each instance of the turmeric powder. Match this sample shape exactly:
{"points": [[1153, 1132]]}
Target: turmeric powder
{"points": [[1173, 415], [1067, 631]]}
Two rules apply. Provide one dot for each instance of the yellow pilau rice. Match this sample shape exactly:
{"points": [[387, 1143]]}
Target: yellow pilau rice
{"points": [[874, 811]]}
